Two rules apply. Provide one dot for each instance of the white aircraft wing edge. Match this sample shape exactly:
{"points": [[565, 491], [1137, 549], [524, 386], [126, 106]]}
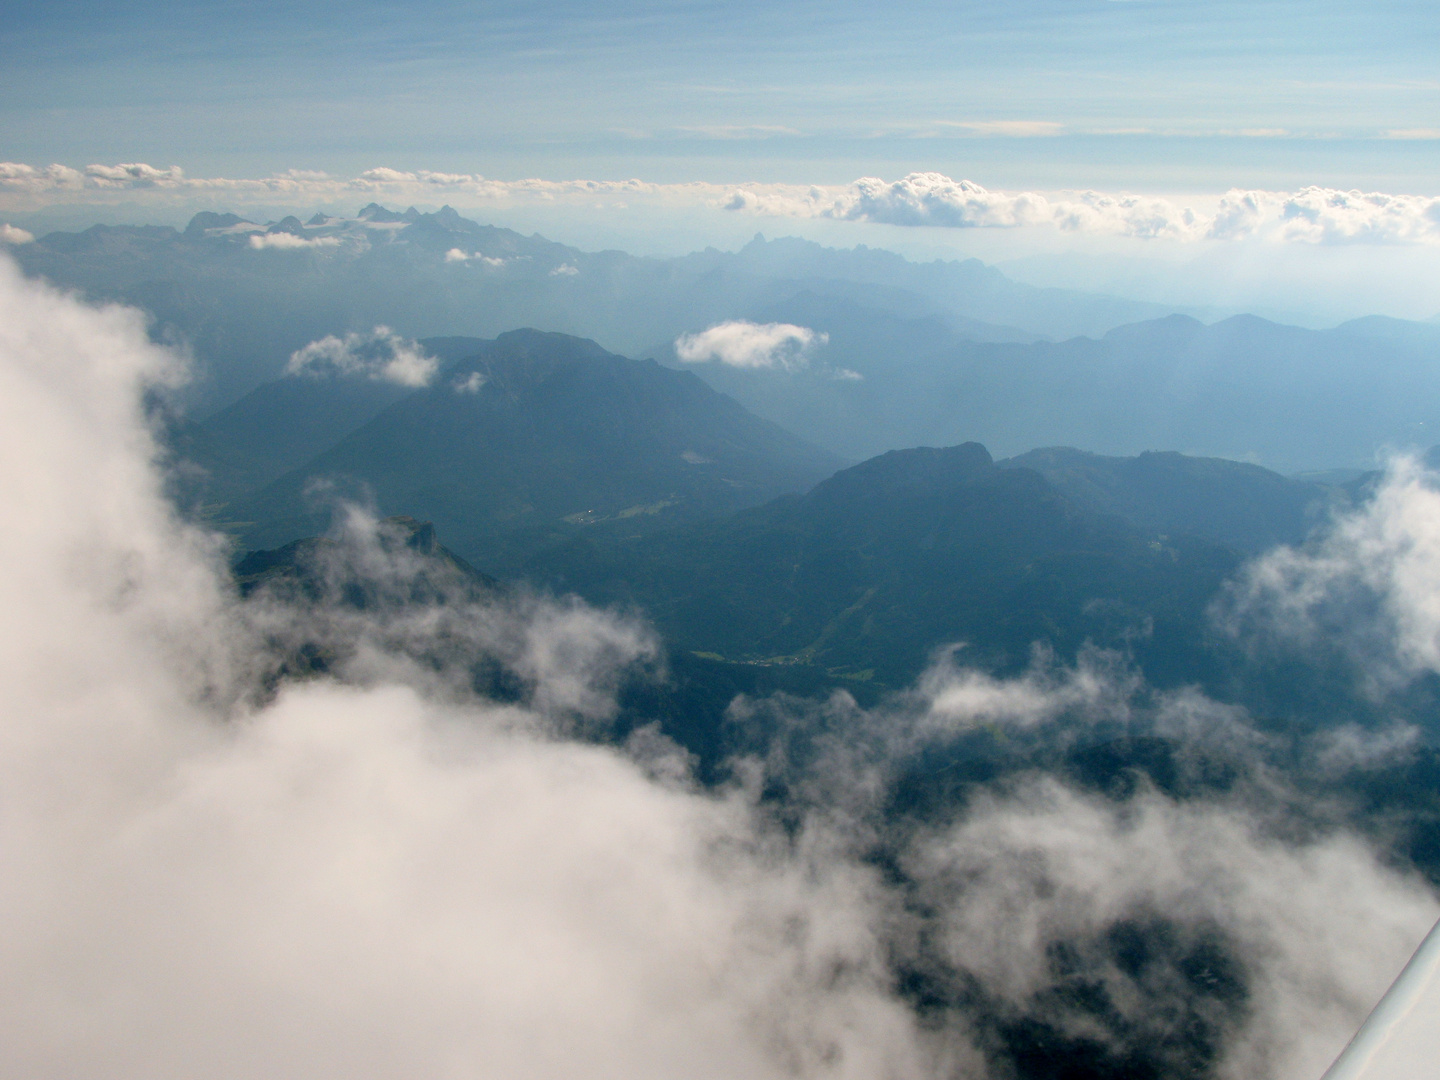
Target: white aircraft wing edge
{"points": [[1386, 1023]]}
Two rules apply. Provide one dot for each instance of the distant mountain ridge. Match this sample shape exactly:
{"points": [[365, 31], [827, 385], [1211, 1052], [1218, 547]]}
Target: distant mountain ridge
{"points": [[1244, 389]]}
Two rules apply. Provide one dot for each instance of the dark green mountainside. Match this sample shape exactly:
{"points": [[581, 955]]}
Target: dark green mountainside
{"points": [[875, 568]]}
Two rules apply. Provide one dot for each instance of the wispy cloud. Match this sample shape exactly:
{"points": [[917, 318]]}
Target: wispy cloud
{"points": [[1014, 129], [11, 234], [743, 344]]}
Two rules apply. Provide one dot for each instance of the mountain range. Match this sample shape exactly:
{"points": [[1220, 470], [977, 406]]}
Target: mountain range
{"points": [[244, 296], [764, 560], [539, 432], [905, 354], [1244, 388]]}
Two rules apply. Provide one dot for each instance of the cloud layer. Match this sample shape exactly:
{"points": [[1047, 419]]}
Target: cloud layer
{"points": [[213, 869], [744, 344], [1312, 215]]}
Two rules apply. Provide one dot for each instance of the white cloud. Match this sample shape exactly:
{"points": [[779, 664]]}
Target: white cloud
{"points": [[136, 175], [744, 344], [471, 384], [460, 255], [564, 270], [933, 199], [52, 178], [380, 354], [1327, 216], [284, 241], [388, 176], [1367, 584], [13, 234], [378, 873], [455, 255], [1313, 215]]}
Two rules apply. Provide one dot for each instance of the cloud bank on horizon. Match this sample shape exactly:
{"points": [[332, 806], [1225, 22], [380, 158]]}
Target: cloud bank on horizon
{"points": [[1312, 215]]}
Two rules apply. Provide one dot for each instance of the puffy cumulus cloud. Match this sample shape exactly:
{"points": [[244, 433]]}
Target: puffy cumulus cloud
{"points": [[13, 234], [215, 867], [743, 344], [28, 178], [933, 199], [1365, 584], [1328, 216], [380, 354], [284, 241]]}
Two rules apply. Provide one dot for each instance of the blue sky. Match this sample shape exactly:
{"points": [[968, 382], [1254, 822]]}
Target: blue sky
{"points": [[1146, 95]]}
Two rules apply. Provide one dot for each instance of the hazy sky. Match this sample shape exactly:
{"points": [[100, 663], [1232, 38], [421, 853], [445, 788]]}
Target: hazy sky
{"points": [[1155, 95]]}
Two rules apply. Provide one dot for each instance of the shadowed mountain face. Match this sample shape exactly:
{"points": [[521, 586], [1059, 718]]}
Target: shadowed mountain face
{"points": [[322, 570], [282, 424], [1226, 502], [544, 431]]}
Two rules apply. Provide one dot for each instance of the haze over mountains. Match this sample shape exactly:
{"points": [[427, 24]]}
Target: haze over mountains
{"points": [[246, 296], [909, 354]]}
